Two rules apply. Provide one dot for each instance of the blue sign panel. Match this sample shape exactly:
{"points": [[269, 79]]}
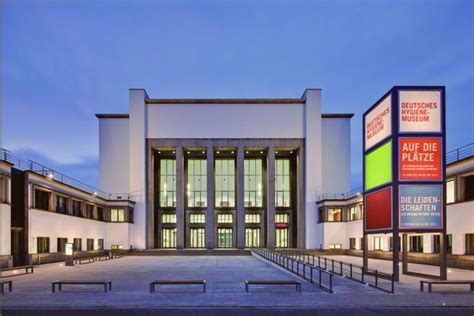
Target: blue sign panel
{"points": [[421, 207]]}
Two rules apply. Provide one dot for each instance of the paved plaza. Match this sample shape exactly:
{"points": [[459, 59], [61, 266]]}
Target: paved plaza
{"points": [[225, 276]]}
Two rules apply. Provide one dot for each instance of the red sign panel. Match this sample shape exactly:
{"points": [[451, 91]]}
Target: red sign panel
{"points": [[420, 159], [281, 225], [378, 210]]}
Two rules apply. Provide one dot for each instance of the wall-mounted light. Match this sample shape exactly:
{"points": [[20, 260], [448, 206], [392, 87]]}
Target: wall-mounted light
{"points": [[95, 192], [174, 152], [276, 152], [291, 152], [188, 152], [232, 151], [50, 175], [203, 152], [217, 152], [159, 152], [247, 152], [261, 152]]}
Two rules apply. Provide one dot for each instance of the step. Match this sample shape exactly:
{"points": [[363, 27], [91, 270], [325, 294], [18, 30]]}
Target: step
{"points": [[189, 252]]}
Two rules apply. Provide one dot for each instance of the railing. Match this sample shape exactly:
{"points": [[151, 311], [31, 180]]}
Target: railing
{"points": [[52, 174], [460, 153], [315, 275], [379, 280], [340, 196]]}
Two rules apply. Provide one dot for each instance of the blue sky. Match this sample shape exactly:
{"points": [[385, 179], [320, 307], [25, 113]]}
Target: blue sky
{"points": [[64, 61]]}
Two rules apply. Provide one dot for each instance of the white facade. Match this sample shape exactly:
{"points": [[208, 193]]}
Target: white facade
{"points": [[459, 217], [249, 119]]}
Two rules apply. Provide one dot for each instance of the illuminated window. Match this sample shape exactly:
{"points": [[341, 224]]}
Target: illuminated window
{"points": [[252, 237], [281, 218], [225, 183], [335, 246], [334, 215], [197, 218], [167, 182], [281, 240], [117, 215], [196, 188], [197, 237], [252, 218], [224, 237], [282, 183], [355, 213], [253, 183], [450, 191], [168, 238], [378, 243], [224, 218], [168, 218]]}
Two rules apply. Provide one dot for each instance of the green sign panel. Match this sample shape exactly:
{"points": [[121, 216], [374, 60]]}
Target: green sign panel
{"points": [[378, 166]]}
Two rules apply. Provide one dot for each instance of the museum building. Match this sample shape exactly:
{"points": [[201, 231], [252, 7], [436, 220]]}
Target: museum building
{"points": [[211, 174]]}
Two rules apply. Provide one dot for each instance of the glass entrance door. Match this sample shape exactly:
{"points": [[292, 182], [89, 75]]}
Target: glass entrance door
{"points": [[224, 237], [252, 237], [281, 237], [168, 238]]}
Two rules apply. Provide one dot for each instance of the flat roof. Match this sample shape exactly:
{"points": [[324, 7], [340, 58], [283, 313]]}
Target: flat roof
{"points": [[224, 101], [119, 116], [126, 116], [337, 115]]}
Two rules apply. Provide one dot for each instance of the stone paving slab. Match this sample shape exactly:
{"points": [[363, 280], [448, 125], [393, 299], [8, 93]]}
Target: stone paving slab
{"points": [[225, 276]]}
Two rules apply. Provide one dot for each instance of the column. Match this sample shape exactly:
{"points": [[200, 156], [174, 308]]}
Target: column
{"points": [[428, 243], [210, 244], [300, 197], [240, 199], [271, 197], [180, 198]]}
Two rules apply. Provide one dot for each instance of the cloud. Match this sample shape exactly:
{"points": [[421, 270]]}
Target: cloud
{"points": [[84, 170]]}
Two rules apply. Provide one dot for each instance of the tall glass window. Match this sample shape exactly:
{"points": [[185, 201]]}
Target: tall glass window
{"points": [[252, 237], [61, 204], [450, 191], [168, 238], [225, 183], [224, 237], [253, 183], [281, 237], [196, 188], [197, 237], [282, 183], [167, 183]]}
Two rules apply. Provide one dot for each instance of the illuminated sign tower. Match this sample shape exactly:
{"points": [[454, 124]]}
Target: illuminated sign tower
{"points": [[404, 168]]}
